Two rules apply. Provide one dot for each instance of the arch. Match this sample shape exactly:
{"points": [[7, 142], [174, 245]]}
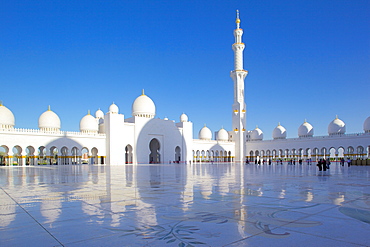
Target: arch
{"points": [[30, 156], [42, 159], [154, 156], [128, 154], [85, 155], [94, 156], [350, 152], [360, 152], [4, 155], [53, 156], [17, 155], [177, 154], [64, 156], [75, 156]]}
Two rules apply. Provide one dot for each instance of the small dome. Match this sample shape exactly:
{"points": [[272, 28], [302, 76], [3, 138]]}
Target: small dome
{"points": [[256, 134], [205, 133], [49, 121], [222, 135], [279, 132], [305, 130], [367, 125], [166, 118], [99, 114], [113, 108], [7, 120], [337, 127], [89, 124], [184, 118], [143, 106]]}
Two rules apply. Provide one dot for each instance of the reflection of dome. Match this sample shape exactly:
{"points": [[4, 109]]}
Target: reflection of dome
{"points": [[113, 108], [143, 106], [99, 114], [49, 121], [88, 124], [256, 134], [7, 120], [337, 127], [205, 133], [305, 130], [222, 135], [367, 125], [279, 132], [184, 118]]}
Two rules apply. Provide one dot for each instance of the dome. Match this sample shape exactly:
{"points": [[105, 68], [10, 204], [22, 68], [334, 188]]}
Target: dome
{"points": [[279, 132], [89, 124], [256, 134], [100, 114], [305, 130], [222, 135], [337, 127], [143, 106], [49, 121], [184, 118], [113, 108], [7, 120], [205, 133], [367, 125]]}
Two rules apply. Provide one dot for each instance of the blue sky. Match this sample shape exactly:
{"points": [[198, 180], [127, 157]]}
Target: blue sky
{"points": [[306, 60]]}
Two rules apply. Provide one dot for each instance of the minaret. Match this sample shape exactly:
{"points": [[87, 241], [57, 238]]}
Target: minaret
{"points": [[239, 108]]}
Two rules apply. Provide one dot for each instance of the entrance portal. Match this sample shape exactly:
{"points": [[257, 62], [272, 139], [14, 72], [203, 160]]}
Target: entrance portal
{"points": [[154, 156]]}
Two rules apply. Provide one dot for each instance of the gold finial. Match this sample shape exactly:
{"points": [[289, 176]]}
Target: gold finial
{"points": [[49, 108], [88, 112], [305, 120], [279, 124], [336, 116], [256, 126], [142, 92], [1, 103], [237, 21]]}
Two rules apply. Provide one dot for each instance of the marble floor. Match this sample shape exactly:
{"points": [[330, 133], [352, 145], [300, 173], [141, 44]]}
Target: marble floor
{"points": [[222, 204]]}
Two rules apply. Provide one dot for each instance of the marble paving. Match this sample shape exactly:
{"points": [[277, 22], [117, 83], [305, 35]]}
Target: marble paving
{"points": [[207, 204]]}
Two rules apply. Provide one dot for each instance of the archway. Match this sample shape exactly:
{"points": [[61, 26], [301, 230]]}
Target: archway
{"points": [[154, 156], [128, 154], [178, 154], [4, 156]]}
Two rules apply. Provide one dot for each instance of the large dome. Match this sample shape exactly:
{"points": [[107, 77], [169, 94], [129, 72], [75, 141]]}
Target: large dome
{"points": [[337, 127], [222, 135], [143, 106], [305, 130], [205, 133], [279, 132], [89, 124], [256, 134], [7, 120], [49, 121], [367, 125]]}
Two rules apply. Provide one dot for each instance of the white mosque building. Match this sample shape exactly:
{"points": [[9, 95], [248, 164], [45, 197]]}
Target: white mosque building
{"points": [[112, 138]]}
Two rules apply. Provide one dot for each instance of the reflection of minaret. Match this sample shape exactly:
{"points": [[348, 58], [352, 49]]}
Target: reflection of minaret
{"points": [[239, 108]]}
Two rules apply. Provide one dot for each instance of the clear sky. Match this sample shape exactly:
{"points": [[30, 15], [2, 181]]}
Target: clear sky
{"points": [[306, 60]]}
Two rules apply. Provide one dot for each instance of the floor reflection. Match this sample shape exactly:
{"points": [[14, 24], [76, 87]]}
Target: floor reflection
{"points": [[183, 205]]}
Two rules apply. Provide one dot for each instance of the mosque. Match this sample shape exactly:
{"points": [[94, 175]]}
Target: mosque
{"points": [[112, 138]]}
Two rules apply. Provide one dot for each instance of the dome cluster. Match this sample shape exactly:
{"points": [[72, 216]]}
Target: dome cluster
{"points": [[335, 127]]}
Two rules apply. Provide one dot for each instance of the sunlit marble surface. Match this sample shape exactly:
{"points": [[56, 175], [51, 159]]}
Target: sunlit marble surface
{"points": [[184, 205]]}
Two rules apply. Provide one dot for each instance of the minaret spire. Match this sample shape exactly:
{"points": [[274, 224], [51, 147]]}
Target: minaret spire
{"points": [[239, 108], [237, 21]]}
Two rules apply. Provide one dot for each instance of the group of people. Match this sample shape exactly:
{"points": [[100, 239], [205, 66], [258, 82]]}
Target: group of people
{"points": [[323, 164]]}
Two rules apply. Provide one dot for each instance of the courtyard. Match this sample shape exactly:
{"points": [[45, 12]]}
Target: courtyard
{"points": [[209, 204]]}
